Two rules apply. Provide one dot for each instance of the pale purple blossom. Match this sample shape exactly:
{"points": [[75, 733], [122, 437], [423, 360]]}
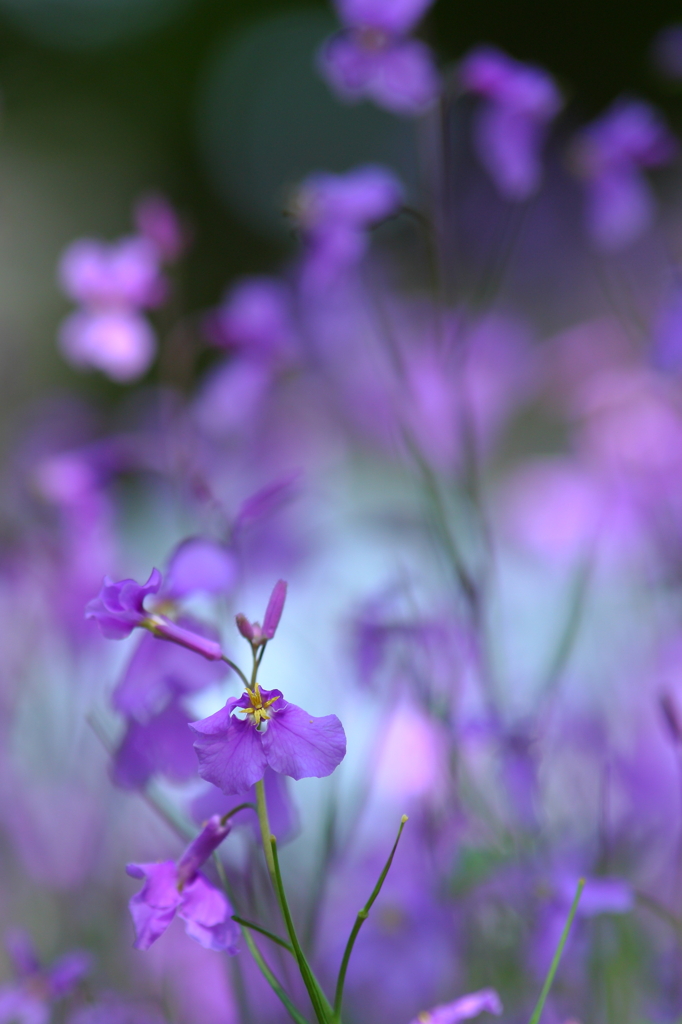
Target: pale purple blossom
{"points": [[118, 341], [29, 999], [462, 1009], [178, 888], [119, 608], [519, 102], [121, 274], [159, 224], [234, 752], [611, 154], [200, 565], [374, 58], [255, 319]]}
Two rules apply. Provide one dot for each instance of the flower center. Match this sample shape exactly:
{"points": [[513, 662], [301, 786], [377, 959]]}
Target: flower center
{"points": [[258, 707], [372, 38]]}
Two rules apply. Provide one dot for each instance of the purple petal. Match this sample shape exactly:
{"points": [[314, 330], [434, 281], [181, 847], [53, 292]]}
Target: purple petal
{"points": [[162, 745], [508, 144], [119, 607], [18, 1006], [119, 342], [200, 565], [273, 612], [298, 745], [462, 1009], [66, 973], [393, 16], [157, 221], [208, 916], [153, 908], [21, 951], [405, 79], [245, 627], [230, 750], [620, 207], [157, 672]]}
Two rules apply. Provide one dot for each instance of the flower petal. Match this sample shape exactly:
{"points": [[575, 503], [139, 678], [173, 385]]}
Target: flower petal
{"points": [[301, 746], [208, 916], [230, 751]]}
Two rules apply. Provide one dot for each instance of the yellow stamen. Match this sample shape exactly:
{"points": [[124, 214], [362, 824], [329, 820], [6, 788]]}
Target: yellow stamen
{"points": [[258, 707]]}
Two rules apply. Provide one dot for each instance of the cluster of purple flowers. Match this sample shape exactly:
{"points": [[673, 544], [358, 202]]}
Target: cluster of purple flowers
{"points": [[463, 446]]}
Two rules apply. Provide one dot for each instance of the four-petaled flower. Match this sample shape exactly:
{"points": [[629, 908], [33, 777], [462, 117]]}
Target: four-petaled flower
{"points": [[374, 57], [119, 608], [171, 889], [234, 752]]}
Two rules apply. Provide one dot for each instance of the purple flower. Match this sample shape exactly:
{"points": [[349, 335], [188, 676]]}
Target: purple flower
{"points": [[171, 888], [123, 274], [462, 1009], [199, 564], [29, 999], [253, 631], [254, 318], [161, 744], [119, 608], [610, 154], [234, 752], [373, 58], [157, 673], [334, 212], [510, 127], [117, 341], [159, 224]]}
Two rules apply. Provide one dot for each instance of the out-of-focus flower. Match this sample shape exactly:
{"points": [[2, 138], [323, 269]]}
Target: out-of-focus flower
{"points": [[254, 319], [171, 888], [253, 631], [162, 745], [373, 57], [282, 813], [30, 998], [200, 565], [234, 752], [111, 1009], [159, 224], [119, 608], [462, 1009], [334, 211], [520, 100], [611, 154], [122, 274], [119, 342]]}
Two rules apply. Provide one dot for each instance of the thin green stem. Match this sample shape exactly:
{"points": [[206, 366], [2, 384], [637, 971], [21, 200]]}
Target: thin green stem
{"points": [[236, 669], [557, 956], [320, 1002], [265, 833], [263, 931], [272, 980], [359, 921], [235, 810]]}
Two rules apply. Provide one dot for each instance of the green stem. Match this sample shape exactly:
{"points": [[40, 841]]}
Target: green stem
{"points": [[359, 921], [272, 980], [557, 956], [236, 669], [263, 931], [235, 810], [265, 833], [317, 997]]}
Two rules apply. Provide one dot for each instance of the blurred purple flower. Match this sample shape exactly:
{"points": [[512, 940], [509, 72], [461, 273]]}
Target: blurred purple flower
{"points": [[510, 127], [159, 224], [122, 274], [119, 608], [255, 318], [200, 565], [160, 745], [29, 1000], [253, 631], [234, 753], [111, 1009], [610, 154], [372, 57], [158, 672], [117, 341], [171, 888], [334, 212], [282, 812], [462, 1008]]}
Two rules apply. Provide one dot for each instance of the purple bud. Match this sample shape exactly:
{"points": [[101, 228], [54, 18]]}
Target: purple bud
{"points": [[273, 612], [164, 629], [245, 627], [208, 840]]}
